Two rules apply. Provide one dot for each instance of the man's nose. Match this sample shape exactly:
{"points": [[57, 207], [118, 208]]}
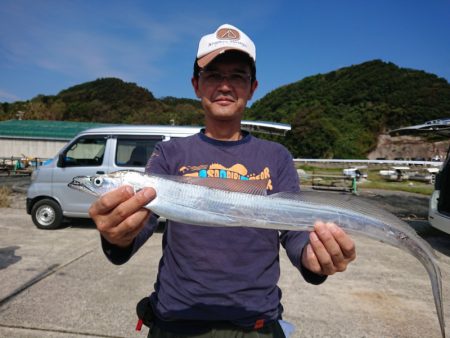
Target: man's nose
{"points": [[225, 83]]}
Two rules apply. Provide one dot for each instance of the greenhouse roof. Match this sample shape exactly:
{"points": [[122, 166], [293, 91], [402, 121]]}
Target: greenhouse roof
{"points": [[43, 129]]}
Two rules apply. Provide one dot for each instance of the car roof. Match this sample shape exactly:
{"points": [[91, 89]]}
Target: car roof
{"points": [[144, 130], [179, 131]]}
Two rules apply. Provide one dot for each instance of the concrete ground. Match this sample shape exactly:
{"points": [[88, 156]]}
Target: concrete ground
{"points": [[58, 284]]}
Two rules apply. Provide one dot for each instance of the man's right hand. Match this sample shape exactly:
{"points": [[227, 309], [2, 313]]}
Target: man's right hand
{"points": [[119, 214]]}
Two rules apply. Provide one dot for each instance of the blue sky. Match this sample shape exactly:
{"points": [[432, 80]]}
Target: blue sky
{"points": [[49, 45]]}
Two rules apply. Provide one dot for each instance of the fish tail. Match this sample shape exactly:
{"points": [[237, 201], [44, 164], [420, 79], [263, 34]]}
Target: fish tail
{"points": [[429, 260]]}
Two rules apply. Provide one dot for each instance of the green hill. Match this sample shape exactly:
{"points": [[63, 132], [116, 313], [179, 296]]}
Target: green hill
{"points": [[333, 115], [108, 100], [341, 113]]}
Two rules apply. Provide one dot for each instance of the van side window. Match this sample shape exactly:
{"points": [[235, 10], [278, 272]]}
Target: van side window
{"points": [[86, 151], [134, 151]]}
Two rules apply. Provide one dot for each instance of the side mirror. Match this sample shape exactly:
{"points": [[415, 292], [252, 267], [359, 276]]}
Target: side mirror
{"points": [[61, 161]]}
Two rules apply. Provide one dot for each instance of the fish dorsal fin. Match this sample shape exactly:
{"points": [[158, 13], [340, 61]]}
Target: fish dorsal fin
{"points": [[326, 198], [349, 202], [253, 187], [334, 199], [360, 205]]}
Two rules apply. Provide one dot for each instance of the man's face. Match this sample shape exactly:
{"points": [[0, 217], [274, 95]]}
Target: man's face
{"points": [[224, 88]]}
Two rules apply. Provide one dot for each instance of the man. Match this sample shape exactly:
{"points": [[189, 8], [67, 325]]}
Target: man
{"points": [[220, 282]]}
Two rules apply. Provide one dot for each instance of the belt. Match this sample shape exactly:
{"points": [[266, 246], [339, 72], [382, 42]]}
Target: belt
{"points": [[147, 317], [203, 326]]}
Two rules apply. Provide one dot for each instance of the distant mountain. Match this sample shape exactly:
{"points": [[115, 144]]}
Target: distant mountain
{"points": [[335, 115], [341, 113], [107, 100]]}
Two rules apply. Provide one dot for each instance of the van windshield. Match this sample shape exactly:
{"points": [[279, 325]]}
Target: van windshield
{"points": [[86, 151]]}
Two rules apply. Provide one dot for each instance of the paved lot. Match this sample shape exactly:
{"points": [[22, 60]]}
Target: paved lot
{"points": [[58, 284]]}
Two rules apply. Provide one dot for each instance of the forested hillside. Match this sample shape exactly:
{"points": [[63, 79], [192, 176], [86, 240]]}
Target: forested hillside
{"points": [[107, 100], [341, 113], [333, 115]]}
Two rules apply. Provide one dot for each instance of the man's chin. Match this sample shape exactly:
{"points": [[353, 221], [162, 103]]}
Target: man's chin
{"points": [[219, 110], [225, 115]]}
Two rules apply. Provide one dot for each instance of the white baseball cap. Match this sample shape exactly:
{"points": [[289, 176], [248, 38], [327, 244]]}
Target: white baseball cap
{"points": [[226, 37]]}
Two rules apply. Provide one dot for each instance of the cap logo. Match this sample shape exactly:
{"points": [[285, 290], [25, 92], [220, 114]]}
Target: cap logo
{"points": [[228, 34]]}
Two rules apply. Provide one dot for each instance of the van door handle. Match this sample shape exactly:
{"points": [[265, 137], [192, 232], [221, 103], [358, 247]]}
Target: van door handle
{"points": [[100, 172]]}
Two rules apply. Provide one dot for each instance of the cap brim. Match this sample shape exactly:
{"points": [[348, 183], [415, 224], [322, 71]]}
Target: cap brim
{"points": [[206, 59]]}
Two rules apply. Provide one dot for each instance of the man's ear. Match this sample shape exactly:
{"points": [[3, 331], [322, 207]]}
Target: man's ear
{"points": [[252, 89], [194, 82]]}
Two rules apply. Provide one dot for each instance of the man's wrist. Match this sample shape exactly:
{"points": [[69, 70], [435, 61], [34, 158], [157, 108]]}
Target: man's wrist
{"points": [[308, 275], [115, 253]]}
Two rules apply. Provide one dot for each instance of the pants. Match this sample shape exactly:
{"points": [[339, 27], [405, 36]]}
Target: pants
{"points": [[273, 330]]}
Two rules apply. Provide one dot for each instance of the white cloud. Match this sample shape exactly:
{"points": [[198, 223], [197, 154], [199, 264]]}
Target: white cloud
{"points": [[71, 42], [7, 97], [87, 49]]}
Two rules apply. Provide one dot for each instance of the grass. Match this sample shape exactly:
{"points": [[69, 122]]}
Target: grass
{"points": [[5, 193], [413, 187], [373, 181]]}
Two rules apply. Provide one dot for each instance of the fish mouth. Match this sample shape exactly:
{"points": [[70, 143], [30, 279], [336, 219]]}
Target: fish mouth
{"points": [[78, 183]]}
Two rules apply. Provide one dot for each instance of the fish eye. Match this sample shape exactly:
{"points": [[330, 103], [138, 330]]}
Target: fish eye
{"points": [[98, 181]]}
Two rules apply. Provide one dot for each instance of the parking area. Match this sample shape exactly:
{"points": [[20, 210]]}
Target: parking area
{"points": [[58, 284]]}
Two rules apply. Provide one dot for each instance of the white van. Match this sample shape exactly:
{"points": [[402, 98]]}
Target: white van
{"points": [[93, 151], [439, 208], [439, 211], [99, 151]]}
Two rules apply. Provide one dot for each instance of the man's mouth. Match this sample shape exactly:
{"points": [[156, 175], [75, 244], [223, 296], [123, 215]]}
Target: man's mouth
{"points": [[224, 99]]}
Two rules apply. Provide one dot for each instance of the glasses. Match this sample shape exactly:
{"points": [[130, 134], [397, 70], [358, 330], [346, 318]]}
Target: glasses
{"points": [[214, 78]]}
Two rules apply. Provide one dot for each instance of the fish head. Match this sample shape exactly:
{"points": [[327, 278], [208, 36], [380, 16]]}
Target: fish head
{"points": [[96, 185]]}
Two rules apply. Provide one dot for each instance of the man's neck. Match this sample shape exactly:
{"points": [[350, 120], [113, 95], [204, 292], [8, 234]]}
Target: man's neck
{"points": [[224, 130]]}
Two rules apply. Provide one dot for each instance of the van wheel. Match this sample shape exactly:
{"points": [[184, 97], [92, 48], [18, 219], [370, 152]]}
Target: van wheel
{"points": [[47, 214]]}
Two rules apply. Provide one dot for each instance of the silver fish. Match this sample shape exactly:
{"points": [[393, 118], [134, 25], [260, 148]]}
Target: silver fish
{"points": [[225, 203]]}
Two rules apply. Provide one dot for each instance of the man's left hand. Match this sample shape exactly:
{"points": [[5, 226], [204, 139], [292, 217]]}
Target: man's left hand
{"points": [[329, 250]]}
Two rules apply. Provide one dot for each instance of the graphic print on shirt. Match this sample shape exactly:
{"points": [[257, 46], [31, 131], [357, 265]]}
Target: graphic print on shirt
{"points": [[235, 172]]}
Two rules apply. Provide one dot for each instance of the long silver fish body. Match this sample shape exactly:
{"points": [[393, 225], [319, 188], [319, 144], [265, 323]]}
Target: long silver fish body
{"points": [[226, 203]]}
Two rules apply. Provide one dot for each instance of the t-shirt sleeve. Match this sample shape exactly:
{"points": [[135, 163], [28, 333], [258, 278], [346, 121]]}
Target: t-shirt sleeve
{"points": [[294, 241], [118, 255], [157, 163]]}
